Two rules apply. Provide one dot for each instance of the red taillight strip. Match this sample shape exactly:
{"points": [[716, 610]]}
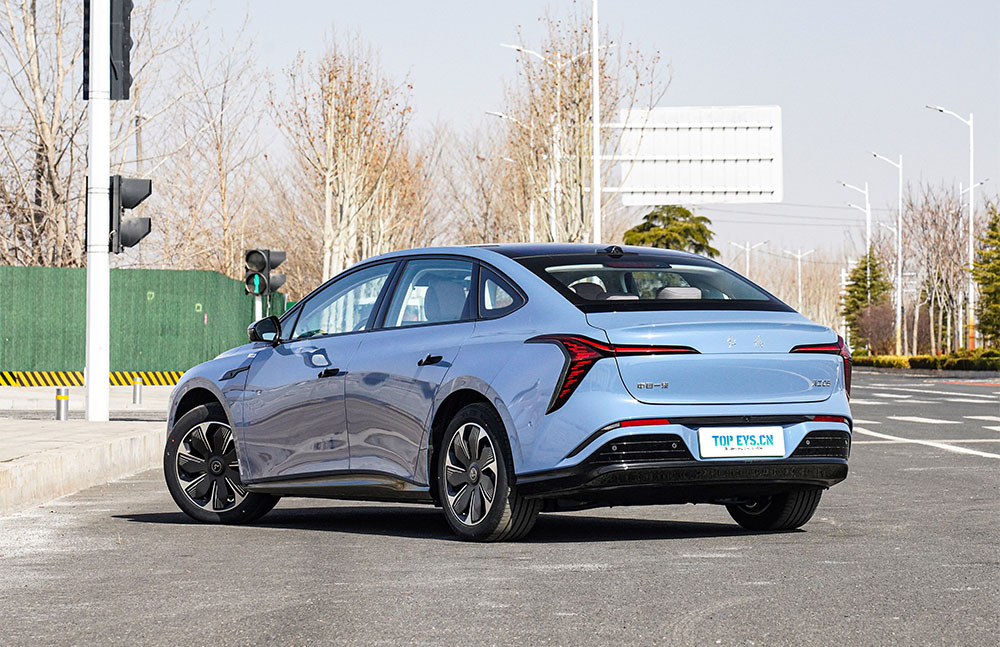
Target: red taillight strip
{"points": [[840, 348], [582, 353]]}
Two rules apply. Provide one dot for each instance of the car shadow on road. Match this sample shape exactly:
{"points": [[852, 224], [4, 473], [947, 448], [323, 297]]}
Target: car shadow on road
{"points": [[429, 523]]}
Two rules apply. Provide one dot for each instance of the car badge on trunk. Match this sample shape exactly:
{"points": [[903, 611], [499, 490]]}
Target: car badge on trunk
{"points": [[731, 341], [758, 342]]}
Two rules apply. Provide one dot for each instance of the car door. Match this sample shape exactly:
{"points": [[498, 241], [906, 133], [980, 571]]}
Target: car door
{"points": [[401, 364], [295, 421]]}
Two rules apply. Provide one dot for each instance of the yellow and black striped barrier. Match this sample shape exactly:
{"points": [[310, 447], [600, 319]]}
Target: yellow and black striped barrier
{"points": [[75, 378]]}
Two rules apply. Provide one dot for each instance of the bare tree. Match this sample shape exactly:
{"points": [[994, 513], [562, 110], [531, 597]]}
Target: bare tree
{"points": [[346, 123]]}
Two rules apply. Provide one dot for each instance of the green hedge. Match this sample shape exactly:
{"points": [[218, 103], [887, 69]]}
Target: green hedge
{"points": [[986, 361]]}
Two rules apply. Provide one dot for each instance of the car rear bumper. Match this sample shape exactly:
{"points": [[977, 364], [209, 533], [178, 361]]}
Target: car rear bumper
{"points": [[673, 481]]}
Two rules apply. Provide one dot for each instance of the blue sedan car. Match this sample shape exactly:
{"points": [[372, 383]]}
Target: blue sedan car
{"points": [[500, 381]]}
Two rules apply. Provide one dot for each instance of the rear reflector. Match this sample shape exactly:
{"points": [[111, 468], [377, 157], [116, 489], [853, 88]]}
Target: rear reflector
{"points": [[644, 423], [839, 419]]}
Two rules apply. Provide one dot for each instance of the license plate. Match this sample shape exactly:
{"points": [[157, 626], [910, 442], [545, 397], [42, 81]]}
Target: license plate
{"points": [[736, 442]]}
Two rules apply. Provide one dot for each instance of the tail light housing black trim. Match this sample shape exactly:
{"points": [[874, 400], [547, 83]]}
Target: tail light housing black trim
{"points": [[582, 353], [840, 348]]}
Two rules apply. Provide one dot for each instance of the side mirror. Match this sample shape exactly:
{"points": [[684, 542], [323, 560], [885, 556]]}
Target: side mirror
{"points": [[267, 329]]}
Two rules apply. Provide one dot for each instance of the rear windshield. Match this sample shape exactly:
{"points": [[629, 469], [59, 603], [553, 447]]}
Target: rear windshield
{"points": [[638, 281]]}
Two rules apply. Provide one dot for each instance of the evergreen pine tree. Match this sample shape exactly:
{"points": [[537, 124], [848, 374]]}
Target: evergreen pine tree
{"points": [[986, 272], [860, 294], [673, 227]]}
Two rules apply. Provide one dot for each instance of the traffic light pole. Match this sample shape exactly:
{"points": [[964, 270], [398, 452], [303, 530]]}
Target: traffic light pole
{"points": [[258, 308], [98, 214]]}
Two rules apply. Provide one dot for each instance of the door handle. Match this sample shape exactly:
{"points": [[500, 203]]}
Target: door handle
{"points": [[430, 359], [329, 372]]}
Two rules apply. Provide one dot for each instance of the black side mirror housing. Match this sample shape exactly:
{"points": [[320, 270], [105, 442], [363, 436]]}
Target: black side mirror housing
{"points": [[267, 329]]}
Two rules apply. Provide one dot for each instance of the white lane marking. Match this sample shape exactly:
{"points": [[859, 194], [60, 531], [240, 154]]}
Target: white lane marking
{"points": [[946, 440], [927, 421], [929, 443], [992, 428], [891, 395], [867, 422], [925, 391], [970, 401], [856, 401], [986, 418]]}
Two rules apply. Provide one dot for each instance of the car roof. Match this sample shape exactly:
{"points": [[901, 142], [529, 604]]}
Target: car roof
{"points": [[527, 250]]}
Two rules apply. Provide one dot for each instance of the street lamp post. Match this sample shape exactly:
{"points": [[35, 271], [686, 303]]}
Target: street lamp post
{"points": [[531, 176], [595, 187], [867, 210], [748, 248], [798, 258], [972, 220], [898, 230]]}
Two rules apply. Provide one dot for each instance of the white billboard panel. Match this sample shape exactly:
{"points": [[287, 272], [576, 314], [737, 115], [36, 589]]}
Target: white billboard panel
{"points": [[707, 155]]}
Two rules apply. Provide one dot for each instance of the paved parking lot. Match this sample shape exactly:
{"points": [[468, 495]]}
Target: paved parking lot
{"points": [[906, 551]]}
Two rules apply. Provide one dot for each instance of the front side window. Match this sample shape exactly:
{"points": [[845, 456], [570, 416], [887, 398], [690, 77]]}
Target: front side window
{"points": [[344, 305], [431, 290]]}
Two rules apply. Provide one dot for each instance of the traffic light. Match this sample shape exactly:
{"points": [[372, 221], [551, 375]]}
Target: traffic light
{"points": [[259, 279], [127, 193], [121, 46]]}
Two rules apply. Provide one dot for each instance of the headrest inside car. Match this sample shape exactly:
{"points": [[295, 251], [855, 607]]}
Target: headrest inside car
{"points": [[679, 293]]}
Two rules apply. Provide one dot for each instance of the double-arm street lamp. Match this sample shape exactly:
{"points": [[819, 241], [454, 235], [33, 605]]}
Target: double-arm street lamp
{"points": [[972, 220], [898, 231], [867, 210]]}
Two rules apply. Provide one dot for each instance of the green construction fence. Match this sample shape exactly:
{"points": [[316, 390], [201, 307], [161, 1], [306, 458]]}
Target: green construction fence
{"points": [[161, 320]]}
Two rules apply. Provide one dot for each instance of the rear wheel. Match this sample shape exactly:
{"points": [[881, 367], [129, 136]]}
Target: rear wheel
{"points": [[202, 473], [474, 473], [779, 512]]}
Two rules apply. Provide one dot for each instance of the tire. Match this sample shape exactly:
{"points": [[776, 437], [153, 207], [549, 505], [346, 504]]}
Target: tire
{"points": [[779, 512], [202, 473], [474, 459]]}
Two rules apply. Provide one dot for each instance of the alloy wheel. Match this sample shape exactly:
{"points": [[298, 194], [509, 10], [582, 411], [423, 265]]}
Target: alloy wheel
{"points": [[471, 473], [207, 469]]}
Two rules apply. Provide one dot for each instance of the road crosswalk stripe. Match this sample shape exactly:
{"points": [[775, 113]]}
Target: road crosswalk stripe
{"points": [[986, 418], [971, 401], [929, 443], [923, 391], [867, 422], [926, 421]]}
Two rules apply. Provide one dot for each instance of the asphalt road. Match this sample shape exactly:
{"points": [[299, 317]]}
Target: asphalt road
{"points": [[905, 552]]}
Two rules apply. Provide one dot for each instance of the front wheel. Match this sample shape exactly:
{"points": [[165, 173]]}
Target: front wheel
{"points": [[474, 473], [779, 512], [202, 473]]}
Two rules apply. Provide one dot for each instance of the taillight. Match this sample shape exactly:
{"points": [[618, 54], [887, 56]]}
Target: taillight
{"points": [[840, 348], [582, 353]]}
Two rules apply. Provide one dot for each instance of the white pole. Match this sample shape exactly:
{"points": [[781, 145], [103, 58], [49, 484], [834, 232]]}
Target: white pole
{"points": [[98, 362], [258, 308], [972, 221], [899, 262], [798, 257], [595, 189], [868, 246], [898, 230], [552, 193]]}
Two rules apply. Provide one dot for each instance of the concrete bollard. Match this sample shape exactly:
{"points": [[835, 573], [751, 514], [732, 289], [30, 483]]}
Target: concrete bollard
{"points": [[62, 403], [137, 390]]}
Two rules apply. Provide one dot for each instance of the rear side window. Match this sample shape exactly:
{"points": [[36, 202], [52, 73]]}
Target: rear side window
{"points": [[648, 281], [497, 296], [433, 290]]}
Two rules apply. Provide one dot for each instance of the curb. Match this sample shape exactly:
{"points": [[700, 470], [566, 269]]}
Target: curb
{"points": [[44, 476]]}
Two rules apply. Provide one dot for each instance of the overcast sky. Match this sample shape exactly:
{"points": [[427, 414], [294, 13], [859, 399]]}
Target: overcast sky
{"points": [[850, 77]]}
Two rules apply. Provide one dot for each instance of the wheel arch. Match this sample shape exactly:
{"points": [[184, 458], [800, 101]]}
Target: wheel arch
{"points": [[193, 397], [458, 398]]}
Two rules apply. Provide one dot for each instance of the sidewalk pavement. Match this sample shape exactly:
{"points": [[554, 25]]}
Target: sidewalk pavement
{"points": [[42, 459]]}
